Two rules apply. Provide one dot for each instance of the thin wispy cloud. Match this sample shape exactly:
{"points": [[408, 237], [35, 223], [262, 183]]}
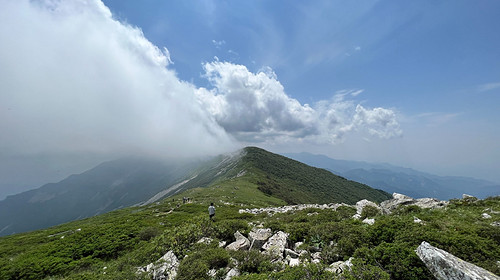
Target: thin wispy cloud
{"points": [[437, 118], [488, 87]]}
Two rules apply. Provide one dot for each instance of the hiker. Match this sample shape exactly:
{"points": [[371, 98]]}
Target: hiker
{"points": [[211, 211]]}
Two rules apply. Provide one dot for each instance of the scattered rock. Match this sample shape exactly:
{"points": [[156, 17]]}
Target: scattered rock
{"points": [[431, 203], [369, 221], [467, 196], [222, 243], [232, 273], [363, 203], [297, 245], [400, 199], [206, 240], [294, 262], [418, 221], [291, 253], [486, 216], [258, 237], [495, 224], [165, 268], [444, 265], [291, 208], [241, 243], [212, 272], [316, 256], [397, 199], [356, 216], [340, 266], [275, 246]]}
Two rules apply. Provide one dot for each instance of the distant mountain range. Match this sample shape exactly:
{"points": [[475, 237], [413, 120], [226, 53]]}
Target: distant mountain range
{"points": [[126, 182], [108, 186], [408, 181]]}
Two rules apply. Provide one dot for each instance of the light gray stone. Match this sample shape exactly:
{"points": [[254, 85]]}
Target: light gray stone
{"points": [[316, 256], [445, 266], [291, 253], [294, 262], [165, 268], [467, 196], [206, 240], [418, 221], [275, 246], [233, 272], [258, 237], [397, 199], [369, 221], [340, 266], [363, 203], [431, 203], [400, 199], [356, 216], [241, 243], [486, 216]]}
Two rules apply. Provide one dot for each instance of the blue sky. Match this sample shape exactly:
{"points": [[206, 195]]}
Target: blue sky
{"points": [[412, 83]]}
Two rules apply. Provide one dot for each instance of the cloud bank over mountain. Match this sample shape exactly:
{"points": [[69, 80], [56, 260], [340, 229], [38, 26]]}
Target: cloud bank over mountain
{"points": [[75, 81]]}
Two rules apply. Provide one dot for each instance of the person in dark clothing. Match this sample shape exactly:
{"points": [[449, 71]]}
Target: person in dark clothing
{"points": [[211, 211]]}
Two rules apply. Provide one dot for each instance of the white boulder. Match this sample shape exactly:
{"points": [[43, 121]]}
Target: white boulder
{"points": [[444, 265]]}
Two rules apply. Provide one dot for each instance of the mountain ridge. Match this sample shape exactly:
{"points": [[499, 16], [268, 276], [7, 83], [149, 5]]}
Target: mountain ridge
{"points": [[132, 181]]}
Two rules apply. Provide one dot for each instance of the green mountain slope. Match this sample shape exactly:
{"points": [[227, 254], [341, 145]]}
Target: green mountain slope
{"points": [[276, 176], [295, 182]]}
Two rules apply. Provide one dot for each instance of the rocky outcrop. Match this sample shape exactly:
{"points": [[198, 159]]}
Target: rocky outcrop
{"points": [[291, 208], [369, 221], [165, 268], [233, 272], [431, 203], [258, 237], [241, 243], [445, 266], [397, 199], [363, 203], [400, 199], [276, 245], [340, 266]]}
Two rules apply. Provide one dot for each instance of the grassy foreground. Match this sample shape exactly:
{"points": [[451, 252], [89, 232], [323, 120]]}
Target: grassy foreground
{"points": [[113, 245]]}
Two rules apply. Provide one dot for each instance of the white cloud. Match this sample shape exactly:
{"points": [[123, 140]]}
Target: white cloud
{"points": [[437, 118], [218, 44], [74, 80], [255, 107], [488, 87]]}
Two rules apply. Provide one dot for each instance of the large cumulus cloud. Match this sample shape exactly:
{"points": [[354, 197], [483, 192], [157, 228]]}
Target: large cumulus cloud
{"points": [[255, 107]]}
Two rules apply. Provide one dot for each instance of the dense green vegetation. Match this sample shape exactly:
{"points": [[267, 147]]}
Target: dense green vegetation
{"points": [[123, 240], [295, 182]]}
